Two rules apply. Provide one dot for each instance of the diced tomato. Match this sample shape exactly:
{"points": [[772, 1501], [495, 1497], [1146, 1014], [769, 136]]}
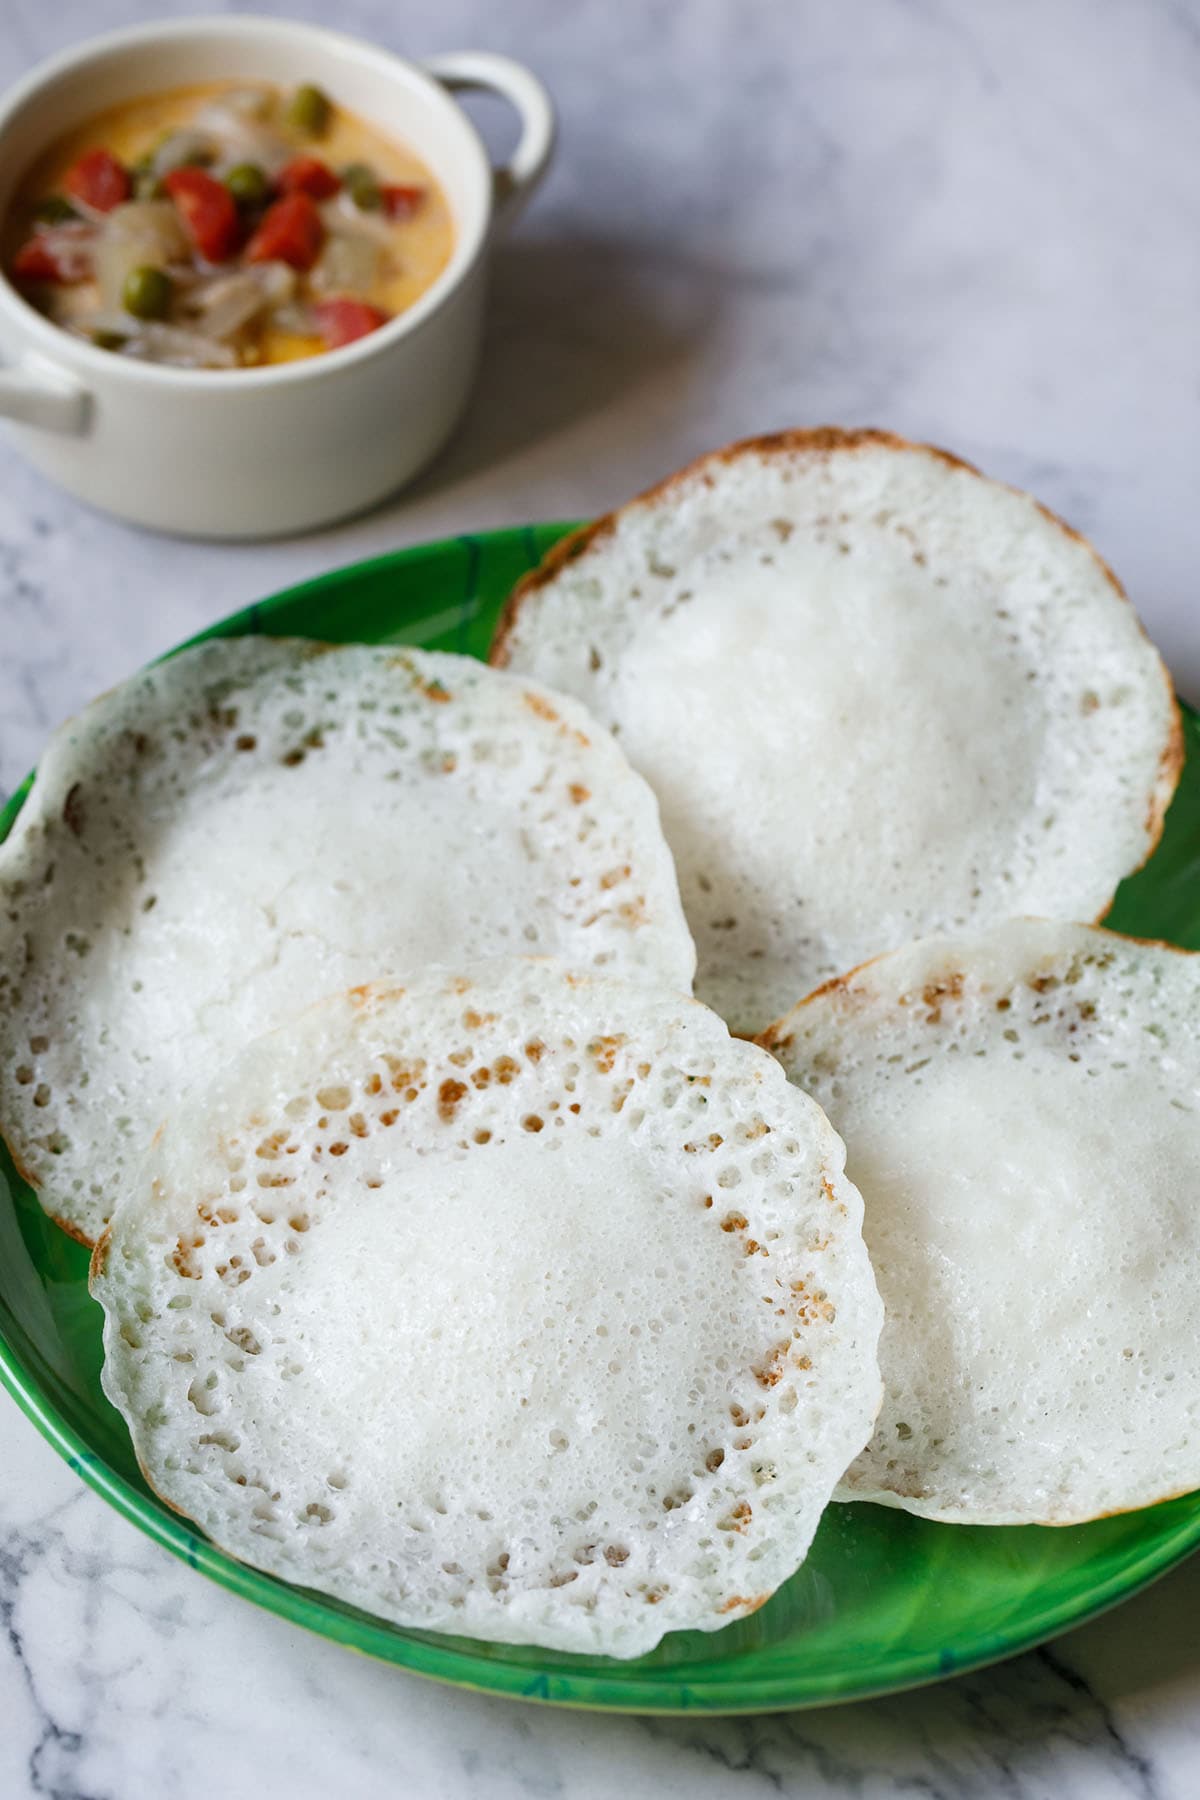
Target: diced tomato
{"points": [[291, 231], [343, 320], [208, 210], [34, 262], [309, 175], [63, 254], [99, 180], [401, 201]]}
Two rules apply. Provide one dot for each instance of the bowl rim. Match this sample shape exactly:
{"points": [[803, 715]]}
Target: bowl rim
{"points": [[51, 343]]}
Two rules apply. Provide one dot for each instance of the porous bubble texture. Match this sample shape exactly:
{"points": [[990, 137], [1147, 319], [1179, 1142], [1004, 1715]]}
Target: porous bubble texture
{"points": [[259, 821], [1023, 1115], [523, 1306], [876, 695]]}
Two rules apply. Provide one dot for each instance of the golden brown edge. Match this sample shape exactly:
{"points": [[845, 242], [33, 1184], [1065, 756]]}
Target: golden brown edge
{"points": [[1171, 757], [945, 1516], [777, 1037], [72, 1231], [65, 1225], [771, 1038], [1170, 768], [825, 439], [100, 1251], [815, 438]]}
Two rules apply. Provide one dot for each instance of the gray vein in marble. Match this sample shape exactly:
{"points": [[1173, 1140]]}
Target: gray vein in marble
{"points": [[141, 1677], [19, 1553], [1139, 1768]]}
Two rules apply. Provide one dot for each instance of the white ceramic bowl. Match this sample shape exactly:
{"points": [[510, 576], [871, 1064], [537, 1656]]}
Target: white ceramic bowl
{"points": [[258, 452]]}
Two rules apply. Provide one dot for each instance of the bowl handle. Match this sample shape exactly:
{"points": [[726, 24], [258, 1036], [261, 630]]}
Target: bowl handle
{"points": [[40, 393], [517, 179]]}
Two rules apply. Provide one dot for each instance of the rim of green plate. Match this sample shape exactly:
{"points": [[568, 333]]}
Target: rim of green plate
{"points": [[646, 1693]]}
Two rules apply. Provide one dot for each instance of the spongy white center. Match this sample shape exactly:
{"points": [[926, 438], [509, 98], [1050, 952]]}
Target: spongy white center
{"points": [[524, 1300], [270, 893], [258, 822], [525, 1307], [1022, 1112], [877, 696], [797, 678], [1007, 1206]]}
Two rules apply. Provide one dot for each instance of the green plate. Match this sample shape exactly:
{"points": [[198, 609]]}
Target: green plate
{"points": [[884, 1601]]}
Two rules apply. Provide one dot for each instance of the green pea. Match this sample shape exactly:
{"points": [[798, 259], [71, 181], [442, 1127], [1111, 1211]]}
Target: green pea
{"points": [[308, 110], [147, 292], [360, 183], [108, 340], [55, 209], [248, 184]]}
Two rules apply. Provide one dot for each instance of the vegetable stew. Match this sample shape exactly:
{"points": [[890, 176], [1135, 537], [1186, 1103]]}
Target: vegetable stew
{"points": [[227, 227]]}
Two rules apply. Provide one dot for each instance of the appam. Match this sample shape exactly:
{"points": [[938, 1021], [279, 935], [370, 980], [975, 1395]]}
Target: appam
{"points": [[259, 821], [877, 695], [1022, 1111], [517, 1304]]}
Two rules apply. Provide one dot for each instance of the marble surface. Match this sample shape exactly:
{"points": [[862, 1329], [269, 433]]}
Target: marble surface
{"points": [[976, 225]]}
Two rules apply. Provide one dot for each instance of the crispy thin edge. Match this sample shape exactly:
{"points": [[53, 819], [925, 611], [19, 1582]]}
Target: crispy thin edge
{"points": [[824, 440], [308, 648], [776, 1038], [96, 1270], [66, 1225], [948, 1515], [815, 439], [366, 995]]}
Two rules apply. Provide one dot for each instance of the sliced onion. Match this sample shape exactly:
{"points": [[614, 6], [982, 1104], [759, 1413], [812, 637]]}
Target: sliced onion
{"points": [[116, 258], [185, 275], [221, 307], [108, 319], [248, 102], [87, 321], [66, 305], [341, 215], [349, 264], [90, 215], [149, 219], [140, 232], [183, 349], [238, 137], [180, 147], [150, 341], [296, 317], [224, 315], [278, 280], [153, 341]]}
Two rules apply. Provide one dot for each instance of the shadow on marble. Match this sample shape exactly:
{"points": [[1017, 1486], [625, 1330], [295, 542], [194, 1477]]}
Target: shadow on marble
{"points": [[575, 326]]}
